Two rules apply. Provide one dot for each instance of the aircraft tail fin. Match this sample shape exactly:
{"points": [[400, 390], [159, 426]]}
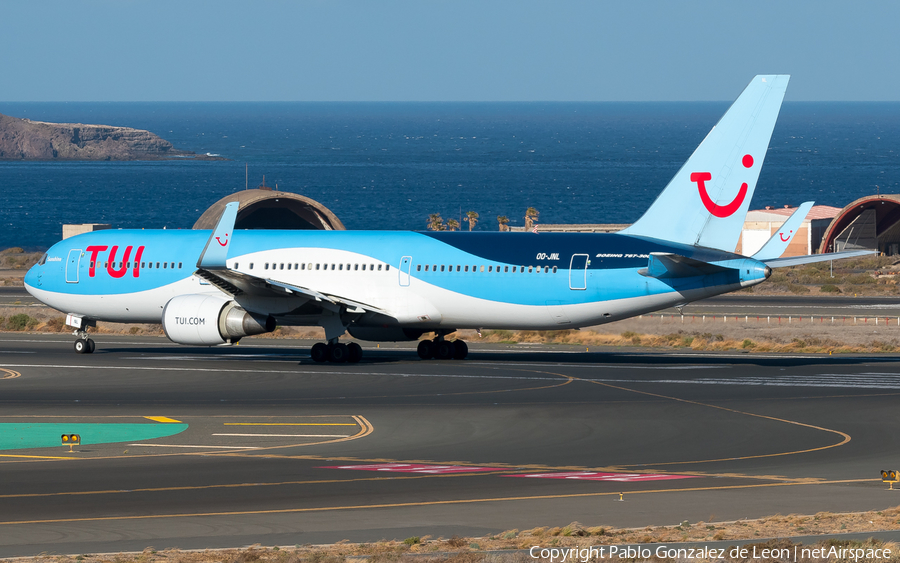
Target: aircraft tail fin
{"points": [[779, 242], [706, 202]]}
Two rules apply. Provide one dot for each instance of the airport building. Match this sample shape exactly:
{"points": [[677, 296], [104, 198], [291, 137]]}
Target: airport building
{"points": [[871, 222]]}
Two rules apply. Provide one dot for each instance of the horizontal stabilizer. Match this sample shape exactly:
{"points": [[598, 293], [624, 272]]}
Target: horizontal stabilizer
{"points": [[809, 259], [779, 242], [667, 265]]}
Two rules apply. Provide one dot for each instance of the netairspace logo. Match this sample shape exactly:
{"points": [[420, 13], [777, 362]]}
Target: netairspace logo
{"points": [[796, 553]]}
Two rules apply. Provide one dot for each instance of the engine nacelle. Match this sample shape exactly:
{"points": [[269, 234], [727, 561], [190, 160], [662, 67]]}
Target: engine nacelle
{"points": [[210, 320], [384, 334]]}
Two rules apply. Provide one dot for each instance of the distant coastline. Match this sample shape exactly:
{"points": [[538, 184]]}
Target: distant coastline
{"points": [[24, 139]]}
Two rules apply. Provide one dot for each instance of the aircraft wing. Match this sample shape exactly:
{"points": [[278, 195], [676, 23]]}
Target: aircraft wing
{"points": [[213, 267]]}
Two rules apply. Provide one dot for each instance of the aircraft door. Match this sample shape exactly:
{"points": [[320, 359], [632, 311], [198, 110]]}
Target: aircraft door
{"points": [[578, 271], [405, 264], [72, 263]]}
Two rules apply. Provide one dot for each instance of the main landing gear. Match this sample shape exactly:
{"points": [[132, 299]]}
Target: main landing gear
{"points": [[336, 352], [83, 345], [442, 349]]}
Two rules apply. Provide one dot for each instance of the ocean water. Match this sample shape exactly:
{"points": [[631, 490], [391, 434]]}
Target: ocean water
{"points": [[389, 165]]}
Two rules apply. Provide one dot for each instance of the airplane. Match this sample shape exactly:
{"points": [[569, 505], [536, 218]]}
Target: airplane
{"points": [[214, 288]]}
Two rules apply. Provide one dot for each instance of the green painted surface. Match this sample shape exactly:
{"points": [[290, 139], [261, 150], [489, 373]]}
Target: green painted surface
{"points": [[26, 435]]}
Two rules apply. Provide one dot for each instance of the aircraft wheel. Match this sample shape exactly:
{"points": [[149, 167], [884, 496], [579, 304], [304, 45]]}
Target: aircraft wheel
{"points": [[319, 352], [82, 346], [425, 349], [91, 346], [338, 353], [445, 350], [462, 349], [355, 352]]}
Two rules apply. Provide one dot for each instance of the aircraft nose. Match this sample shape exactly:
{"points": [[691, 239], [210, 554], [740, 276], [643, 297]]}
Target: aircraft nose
{"points": [[32, 278]]}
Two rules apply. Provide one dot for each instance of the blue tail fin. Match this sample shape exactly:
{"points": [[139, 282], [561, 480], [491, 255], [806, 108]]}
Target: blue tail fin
{"points": [[706, 202]]}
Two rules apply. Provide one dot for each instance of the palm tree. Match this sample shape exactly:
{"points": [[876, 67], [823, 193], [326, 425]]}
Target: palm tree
{"points": [[435, 222], [531, 215], [504, 222], [471, 219], [452, 225]]}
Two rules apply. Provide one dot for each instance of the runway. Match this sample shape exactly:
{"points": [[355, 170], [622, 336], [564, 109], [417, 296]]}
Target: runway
{"points": [[195, 448]]}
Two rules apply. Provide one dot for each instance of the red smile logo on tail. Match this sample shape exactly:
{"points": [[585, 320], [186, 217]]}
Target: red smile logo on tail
{"points": [[721, 210]]}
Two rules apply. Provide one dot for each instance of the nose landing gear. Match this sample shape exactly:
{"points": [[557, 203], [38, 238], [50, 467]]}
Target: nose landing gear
{"points": [[83, 345]]}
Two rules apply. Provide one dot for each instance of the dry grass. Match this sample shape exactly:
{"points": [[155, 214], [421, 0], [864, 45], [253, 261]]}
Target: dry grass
{"points": [[509, 546]]}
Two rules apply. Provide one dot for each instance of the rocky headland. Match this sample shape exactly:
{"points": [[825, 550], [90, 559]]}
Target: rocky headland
{"points": [[24, 139]]}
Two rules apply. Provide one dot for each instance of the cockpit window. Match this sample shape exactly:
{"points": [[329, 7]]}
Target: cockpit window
{"points": [[42, 260]]}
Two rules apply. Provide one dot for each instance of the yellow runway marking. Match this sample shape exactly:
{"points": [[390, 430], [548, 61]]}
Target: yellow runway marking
{"points": [[413, 504], [844, 436], [244, 485], [161, 419], [10, 374], [36, 456], [289, 424]]}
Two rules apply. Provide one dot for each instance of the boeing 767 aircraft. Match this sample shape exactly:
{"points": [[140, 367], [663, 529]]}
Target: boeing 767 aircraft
{"points": [[212, 288]]}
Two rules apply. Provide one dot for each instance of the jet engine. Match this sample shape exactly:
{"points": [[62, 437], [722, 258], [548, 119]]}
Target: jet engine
{"points": [[384, 334], [210, 320]]}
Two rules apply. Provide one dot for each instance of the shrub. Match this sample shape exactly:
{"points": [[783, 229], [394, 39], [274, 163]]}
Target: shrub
{"points": [[19, 322], [830, 288], [412, 541], [748, 344]]}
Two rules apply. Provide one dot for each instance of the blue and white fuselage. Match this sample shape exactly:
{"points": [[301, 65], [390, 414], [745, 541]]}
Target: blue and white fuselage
{"points": [[420, 281], [215, 287]]}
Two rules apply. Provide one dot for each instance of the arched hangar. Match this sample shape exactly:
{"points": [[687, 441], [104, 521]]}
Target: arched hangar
{"points": [[871, 222], [270, 209]]}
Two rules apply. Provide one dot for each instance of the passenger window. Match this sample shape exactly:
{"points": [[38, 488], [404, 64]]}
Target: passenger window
{"points": [[129, 264], [546, 269], [442, 267], [157, 265], [355, 267], [92, 264], [490, 268], [164, 265], [426, 267], [348, 266], [295, 265], [282, 266], [251, 265], [332, 266], [289, 265], [418, 267], [379, 267], [179, 265], [317, 266], [467, 268], [505, 269], [387, 267], [340, 266], [235, 265], [457, 268], [554, 269]]}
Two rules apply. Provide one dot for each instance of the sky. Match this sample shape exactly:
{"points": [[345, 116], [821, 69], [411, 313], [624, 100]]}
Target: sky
{"points": [[432, 50]]}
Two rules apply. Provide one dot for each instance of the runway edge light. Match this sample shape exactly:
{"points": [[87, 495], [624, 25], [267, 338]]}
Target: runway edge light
{"points": [[72, 440], [890, 476]]}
